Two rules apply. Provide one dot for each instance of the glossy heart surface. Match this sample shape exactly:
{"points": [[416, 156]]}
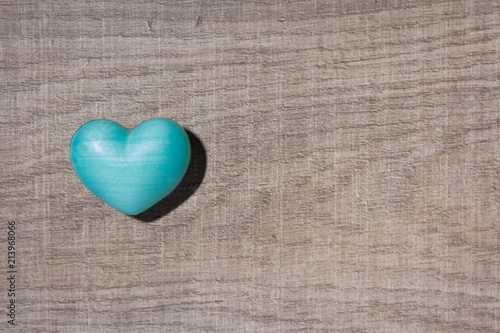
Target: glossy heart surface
{"points": [[130, 170]]}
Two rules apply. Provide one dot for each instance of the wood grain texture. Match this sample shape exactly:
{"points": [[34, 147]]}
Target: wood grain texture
{"points": [[352, 165]]}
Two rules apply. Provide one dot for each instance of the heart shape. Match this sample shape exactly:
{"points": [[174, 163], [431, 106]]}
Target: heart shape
{"points": [[130, 170]]}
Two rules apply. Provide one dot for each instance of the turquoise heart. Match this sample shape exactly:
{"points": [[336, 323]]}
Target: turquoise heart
{"points": [[130, 170]]}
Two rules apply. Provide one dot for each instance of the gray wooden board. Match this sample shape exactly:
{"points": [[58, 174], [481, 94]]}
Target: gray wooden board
{"points": [[345, 174]]}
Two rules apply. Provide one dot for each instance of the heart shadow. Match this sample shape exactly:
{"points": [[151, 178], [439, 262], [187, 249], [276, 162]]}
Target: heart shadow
{"points": [[186, 188]]}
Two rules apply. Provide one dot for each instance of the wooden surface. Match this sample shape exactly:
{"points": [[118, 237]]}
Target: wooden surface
{"points": [[345, 174]]}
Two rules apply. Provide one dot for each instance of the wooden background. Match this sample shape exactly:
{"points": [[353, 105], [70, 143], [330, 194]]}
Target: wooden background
{"points": [[345, 174]]}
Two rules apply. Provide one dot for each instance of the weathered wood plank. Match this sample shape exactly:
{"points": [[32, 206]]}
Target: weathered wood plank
{"points": [[346, 174]]}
